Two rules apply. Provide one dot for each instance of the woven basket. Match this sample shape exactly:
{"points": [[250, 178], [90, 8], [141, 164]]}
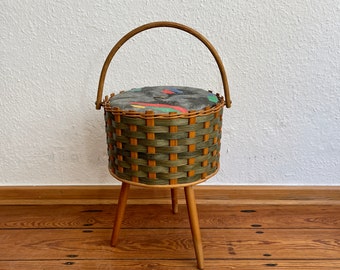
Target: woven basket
{"points": [[162, 150]]}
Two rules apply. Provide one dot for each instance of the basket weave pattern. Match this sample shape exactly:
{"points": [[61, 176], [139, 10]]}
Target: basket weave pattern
{"points": [[165, 149]]}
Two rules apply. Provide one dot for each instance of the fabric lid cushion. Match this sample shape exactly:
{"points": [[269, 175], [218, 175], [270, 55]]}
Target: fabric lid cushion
{"points": [[164, 99]]}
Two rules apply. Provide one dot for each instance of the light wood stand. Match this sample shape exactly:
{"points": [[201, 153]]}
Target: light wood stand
{"points": [[192, 212]]}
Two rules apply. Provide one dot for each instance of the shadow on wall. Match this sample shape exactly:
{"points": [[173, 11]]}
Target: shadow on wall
{"points": [[95, 147]]}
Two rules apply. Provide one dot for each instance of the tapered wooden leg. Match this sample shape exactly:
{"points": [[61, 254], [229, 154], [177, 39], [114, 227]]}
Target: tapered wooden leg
{"points": [[120, 212], [174, 200], [195, 229]]}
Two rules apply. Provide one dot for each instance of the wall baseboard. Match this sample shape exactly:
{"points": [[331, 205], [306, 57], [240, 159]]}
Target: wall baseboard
{"points": [[28, 195]]}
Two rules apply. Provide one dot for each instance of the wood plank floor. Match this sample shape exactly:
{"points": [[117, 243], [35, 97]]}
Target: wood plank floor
{"points": [[245, 237]]}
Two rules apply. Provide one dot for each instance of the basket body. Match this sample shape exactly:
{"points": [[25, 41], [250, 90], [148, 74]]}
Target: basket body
{"points": [[163, 149]]}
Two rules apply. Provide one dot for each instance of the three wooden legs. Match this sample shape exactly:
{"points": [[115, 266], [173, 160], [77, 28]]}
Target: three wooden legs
{"points": [[192, 212]]}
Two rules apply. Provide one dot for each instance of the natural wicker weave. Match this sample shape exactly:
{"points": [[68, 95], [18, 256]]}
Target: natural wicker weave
{"points": [[163, 149]]}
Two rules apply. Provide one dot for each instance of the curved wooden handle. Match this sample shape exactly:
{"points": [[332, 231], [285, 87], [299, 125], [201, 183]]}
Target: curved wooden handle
{"points": [[155, 25]]}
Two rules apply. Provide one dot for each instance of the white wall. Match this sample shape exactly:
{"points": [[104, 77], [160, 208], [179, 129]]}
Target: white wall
{"points": [[283, 64]]}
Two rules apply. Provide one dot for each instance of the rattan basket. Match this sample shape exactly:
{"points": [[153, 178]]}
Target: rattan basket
{"points": [[162, 150]]}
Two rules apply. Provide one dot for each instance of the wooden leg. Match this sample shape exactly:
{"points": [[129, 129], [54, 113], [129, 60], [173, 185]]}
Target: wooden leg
{"points": [[120, 212], [195, 229], [174, 200]]}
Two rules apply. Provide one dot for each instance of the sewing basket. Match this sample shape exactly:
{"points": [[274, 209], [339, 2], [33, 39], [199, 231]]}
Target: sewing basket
{"points": [[161, 149], [163, 136]]}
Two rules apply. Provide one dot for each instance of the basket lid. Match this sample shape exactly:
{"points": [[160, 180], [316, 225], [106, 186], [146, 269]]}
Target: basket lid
{"points": [[164, 99]]}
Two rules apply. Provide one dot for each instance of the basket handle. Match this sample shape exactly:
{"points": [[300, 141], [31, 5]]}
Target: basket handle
{"points": [[155, 25]]}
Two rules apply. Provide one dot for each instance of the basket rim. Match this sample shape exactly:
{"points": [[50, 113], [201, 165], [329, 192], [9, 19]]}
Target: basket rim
{"points": [[165, 185], [172, 115]]}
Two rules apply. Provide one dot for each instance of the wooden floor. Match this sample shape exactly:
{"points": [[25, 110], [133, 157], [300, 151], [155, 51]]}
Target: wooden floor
{"points": [[245, 237]]}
